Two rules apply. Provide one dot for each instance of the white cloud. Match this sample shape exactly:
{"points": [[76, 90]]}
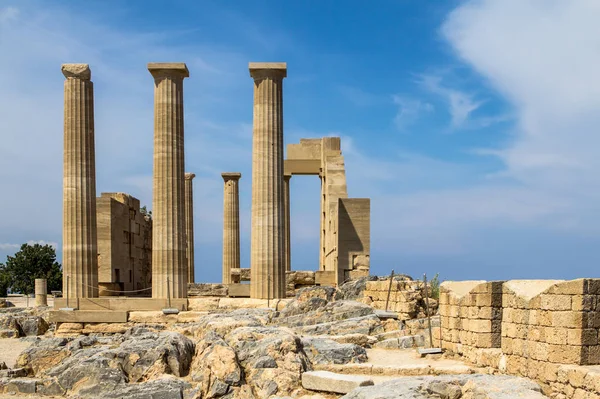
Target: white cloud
{"points": [[461, 104], [409, 110], [15, 247]]}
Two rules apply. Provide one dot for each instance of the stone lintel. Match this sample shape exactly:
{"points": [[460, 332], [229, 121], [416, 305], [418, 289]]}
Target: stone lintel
{"points": [[159, 69], [77, 71], [189, 176], [267, 69], [231, 176]]}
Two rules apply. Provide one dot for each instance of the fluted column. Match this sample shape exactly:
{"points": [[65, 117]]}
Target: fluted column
{"points": [[189, 226], [80, 245], [267, 268], [286, 223], [231, 224], [168, 201]]}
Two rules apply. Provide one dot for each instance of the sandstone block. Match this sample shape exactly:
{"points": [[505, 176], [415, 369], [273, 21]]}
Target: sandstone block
{"points": [[555, 302], [590, 355], [203, 304], [556, 336], [566, 354], [567, 319], [573, 287], [584, 302], [326, 381], [588, 336]]}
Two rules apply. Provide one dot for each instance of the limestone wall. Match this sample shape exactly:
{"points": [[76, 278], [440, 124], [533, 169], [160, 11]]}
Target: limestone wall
{"points": [[471, 315], [549, 331], [550, 321], [406, 297]]}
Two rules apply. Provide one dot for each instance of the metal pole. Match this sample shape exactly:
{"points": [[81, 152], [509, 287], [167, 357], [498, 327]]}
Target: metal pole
{"points": [[427, 308], [168, 293], [67, 291], [269, 289], [387, 301]]}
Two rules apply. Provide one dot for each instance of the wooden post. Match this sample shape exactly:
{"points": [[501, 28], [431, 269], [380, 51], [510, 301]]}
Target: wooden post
{"points": [[387, 301]]}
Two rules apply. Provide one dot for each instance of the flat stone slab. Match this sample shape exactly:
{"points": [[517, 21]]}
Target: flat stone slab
{"points": [[88, 316], [326, 381], [382, 314]]}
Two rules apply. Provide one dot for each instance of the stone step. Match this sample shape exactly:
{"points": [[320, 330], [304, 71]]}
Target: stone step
{"points": [[326, 381], [88, 316], [407, 342]]}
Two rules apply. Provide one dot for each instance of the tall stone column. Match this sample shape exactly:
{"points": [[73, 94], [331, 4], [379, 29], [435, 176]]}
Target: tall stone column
{"points": [[41, 292], [189, 226], [267, 268], [231, 224], [286, 223], [80, 244], [168, 202]]}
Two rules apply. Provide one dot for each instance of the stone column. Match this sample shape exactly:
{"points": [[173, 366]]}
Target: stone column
{"points": [[231, 225], [189, 226], [266, 254], [286, 223], [168, 201], [80, 245], [41, 292]]}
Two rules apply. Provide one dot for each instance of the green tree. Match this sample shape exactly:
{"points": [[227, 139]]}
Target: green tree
{"points": [[31, 262], [4, 281]]}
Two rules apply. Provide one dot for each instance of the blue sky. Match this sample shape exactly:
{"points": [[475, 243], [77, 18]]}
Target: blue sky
{"points": [[471, 125]]}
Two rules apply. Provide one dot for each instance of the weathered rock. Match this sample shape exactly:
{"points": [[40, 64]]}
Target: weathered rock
{"points": [[9, 327], [13, 373], [279, 344], [165, 387], [326, 381], [20, 385], [203, 304], [43, 355], [33, 325], [90, 366], [353, 290], [368, 325], [358, 339], [319, 312], [215, 366], [326, 351], [490, 386], [445, 390], [326, 293], [223, 323]]}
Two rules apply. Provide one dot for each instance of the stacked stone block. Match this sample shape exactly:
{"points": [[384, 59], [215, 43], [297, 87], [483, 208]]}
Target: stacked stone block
{"points": [[559, 325], [471, 315], [406, 297]]}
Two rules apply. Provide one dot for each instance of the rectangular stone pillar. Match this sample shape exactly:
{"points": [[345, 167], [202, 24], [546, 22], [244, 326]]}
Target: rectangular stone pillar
{"points": [[80, 246], [231, 225], [189, 226], [169, 265], [266, 254]]}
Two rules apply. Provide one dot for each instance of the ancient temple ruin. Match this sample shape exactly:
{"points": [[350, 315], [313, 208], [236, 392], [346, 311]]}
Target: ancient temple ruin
{"points": [[136, 253]]}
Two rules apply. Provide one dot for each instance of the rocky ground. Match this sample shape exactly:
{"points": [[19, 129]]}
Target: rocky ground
{"points": [[238, 354]]}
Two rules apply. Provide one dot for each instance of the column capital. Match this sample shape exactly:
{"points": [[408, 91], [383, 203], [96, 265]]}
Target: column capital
{"points": [[168, 69], [261, 70], [287, 177], [231, 176], [189, 176], [76, 71]]}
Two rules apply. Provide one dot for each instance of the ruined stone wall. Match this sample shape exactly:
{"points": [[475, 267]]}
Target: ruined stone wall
{"points": [[558, 325], [406, 297], [471, 315], [549, 332], [124, 244]]}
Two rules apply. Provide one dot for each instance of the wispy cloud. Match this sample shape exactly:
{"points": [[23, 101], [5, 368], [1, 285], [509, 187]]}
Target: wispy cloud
{"points": [[409, 110], [461, 104]]}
